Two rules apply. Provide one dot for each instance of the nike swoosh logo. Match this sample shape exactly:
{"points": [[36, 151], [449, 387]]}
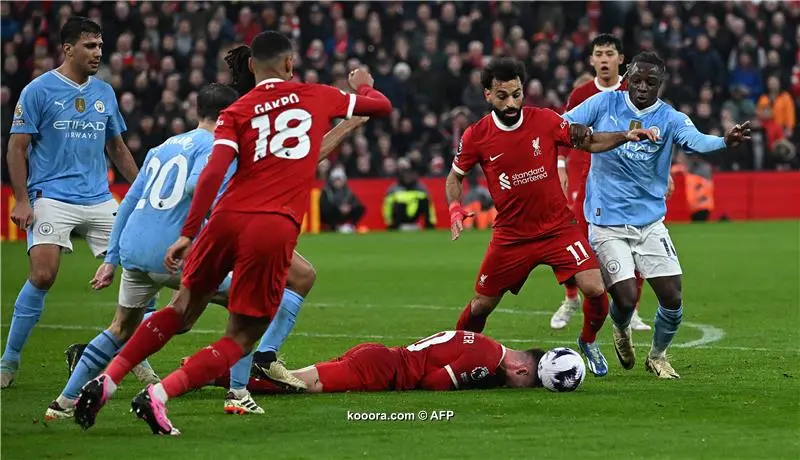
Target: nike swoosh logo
{"points": [[582, 261], [492, 158]]}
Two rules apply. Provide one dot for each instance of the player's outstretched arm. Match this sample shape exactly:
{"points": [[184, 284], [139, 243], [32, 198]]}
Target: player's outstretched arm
{"points": [[22, 214], [453, 191], [603, 142], [369, 101], [335, 136], [122, 158]]}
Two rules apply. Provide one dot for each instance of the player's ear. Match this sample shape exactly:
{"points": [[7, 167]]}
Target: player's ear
{"points": [[621, 58], [250, 65], [68, 49], [522, 371], [488, 95]]}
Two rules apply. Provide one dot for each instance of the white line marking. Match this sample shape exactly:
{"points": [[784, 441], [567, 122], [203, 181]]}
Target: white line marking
{"points": [[710, 334]]}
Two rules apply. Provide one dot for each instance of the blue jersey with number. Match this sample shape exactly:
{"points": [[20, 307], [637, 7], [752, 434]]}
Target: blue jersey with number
{"points": [[626, 185], [151, 216], [69, 125]]}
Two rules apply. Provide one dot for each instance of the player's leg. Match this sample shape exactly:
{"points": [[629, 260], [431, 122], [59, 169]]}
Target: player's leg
{"points": [[48, 236], [637, 323], [504, 268], [613, 249], [657, 261]]}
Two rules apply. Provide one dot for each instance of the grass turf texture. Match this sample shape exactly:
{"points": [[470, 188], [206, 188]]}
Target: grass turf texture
{"points": [[739, 396]]}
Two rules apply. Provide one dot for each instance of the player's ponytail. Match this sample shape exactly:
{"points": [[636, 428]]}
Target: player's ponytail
{"points": [[242, 79]]}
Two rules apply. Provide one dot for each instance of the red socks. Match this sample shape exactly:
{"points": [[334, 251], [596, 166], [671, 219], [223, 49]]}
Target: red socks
{"points": [[206, 365], [469, 322], [595, 310], [571, 287], [149, 337]]}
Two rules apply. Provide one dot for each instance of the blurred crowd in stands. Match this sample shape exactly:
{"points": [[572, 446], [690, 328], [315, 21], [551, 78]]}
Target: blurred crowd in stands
{"points": [[728, 62]]}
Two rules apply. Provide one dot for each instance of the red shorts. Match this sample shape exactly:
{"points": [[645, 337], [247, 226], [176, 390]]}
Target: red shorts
{"points": [[365, 367], [506, 267], [256, 247]]}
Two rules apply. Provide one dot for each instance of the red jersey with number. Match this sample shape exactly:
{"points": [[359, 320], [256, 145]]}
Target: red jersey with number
{"points": [[578, 161], [520, 164], [451, 360], [275, 133]]}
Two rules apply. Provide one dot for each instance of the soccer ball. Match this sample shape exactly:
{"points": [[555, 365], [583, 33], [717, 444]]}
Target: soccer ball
{"points": [[561, 369]]}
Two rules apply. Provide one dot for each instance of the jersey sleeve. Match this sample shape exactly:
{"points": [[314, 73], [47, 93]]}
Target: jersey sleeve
{"points": [[116, 124], [587, 112], [226, 131], [690, 139], [559, 127], [475, 368], [27, 113], [366, 102], [467, 155]]}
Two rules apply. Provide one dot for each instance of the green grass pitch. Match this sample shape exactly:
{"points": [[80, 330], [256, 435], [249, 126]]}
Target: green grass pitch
{"points": [[737, 353]]}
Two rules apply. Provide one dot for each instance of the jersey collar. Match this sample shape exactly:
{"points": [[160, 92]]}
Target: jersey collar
{"points": [[69, 81], [270, 80], [608, 88], [643, 112], [503, 127]]}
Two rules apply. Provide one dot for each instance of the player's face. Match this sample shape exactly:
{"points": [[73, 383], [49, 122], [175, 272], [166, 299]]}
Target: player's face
{"points": [[644, 81], [86, 53], [506, 100], [606, 61]]}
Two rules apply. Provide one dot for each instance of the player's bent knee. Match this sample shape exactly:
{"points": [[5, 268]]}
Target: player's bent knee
{"points": [[672, 302], [43, 278], [302, 276]]}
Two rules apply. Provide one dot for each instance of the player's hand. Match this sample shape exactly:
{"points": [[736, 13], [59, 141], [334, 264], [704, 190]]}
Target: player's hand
{"points": [[457, 216], [358, 122], [738, 134], [176, 254], [563, 179], [579, 134], [360, 77], [670, 187], [22, 214], [636, 135], [104, 276]]}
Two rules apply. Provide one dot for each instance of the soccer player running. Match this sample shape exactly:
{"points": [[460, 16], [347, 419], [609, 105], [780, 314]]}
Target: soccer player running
{"points": [[516, 148], [275, 132], [63, 124], [573, 168], [448, 360], [625, 203]]}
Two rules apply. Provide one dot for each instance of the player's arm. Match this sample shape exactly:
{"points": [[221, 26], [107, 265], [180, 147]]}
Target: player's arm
{"points": [[335, 136], [367, 102], [466, 158], [461, 374], [690, 139], [122, 158], [603, 142], [563, 152], [22, 214]]}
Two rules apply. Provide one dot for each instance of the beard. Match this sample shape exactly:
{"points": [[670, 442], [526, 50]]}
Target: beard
{"points": [[504, 117]]}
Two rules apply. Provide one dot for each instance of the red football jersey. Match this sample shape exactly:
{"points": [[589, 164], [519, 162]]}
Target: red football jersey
{"points": [[579, 160], [276, 131], [451, 360], [520, 164]]}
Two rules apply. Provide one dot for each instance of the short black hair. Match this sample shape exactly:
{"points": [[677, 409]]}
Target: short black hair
{"points": [[213, 99], [606, 40], [536, 354], [242, 78], [502, 69], [270, 45], [650, 57], [76, 26]]}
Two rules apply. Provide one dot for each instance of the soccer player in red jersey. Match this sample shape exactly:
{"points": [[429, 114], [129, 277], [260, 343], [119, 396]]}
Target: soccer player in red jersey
{"points": [[275, 132], [448, 360], [516, 148]]}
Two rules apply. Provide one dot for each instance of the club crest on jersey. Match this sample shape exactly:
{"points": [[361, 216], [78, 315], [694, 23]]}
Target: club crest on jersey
{"points": [[655, 131], [537, 149], [635, 124], [80, 104], [18, 110], [99, 106]]}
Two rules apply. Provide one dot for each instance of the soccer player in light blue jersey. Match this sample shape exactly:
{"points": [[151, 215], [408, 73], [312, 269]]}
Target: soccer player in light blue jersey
{"points": [[64, 122], [625, 203]]}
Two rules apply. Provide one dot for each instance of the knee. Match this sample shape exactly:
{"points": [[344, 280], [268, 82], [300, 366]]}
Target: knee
{"points": [[594, 289], [302, 279], [125, 323], [43, 277], [625, 296], [672, 300]]}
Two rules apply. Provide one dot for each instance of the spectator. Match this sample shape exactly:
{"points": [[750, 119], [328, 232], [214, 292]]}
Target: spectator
{"points": [[780, 106], [740, 106], [407, 204], [339, 208]]}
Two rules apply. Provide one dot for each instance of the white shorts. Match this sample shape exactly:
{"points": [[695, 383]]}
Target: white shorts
{"points": [[138, 288], [54, 221], [624, 250]]}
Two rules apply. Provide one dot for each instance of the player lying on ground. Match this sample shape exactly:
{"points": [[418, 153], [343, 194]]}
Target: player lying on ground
{"points": [[148, 221], [625, 203], [63, 124], [573, 168], [275, 133], [448, 360], [516, 148]]}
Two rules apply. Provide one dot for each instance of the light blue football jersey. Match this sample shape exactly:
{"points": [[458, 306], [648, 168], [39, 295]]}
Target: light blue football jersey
{"points": [[626, 185], [69, 125], [152, 214]]}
